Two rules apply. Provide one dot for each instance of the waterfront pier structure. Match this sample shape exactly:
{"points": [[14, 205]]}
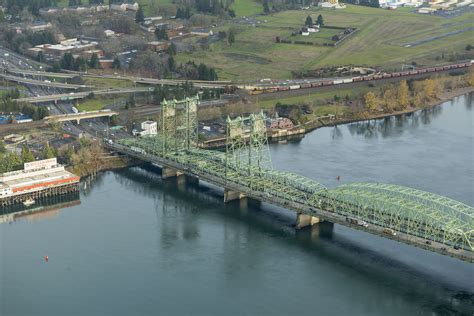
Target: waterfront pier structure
{"points": [[38, 179]]}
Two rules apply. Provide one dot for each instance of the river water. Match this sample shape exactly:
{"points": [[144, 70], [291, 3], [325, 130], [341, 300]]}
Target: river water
{"points": [[137, 245]]}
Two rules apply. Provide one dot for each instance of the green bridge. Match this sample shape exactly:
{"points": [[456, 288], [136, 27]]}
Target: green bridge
{"points": [[244, 169]]}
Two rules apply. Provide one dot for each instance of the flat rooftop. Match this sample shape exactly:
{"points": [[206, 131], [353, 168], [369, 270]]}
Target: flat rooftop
{"points": [[36, 179]]}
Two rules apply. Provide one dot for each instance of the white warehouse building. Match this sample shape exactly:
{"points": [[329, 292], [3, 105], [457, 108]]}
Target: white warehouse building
{"points": [[149, 128]]}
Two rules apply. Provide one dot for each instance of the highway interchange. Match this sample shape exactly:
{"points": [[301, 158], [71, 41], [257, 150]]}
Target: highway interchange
{"points": [[94, 127]]}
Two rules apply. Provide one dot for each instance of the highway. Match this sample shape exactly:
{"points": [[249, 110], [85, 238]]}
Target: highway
{"points": [[81, 115], [173, 82], [81, 95], [43, 83], [21, 65]]}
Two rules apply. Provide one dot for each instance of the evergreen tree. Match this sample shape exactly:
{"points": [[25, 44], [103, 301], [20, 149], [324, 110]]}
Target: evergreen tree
{"points": [[171, 63], [40, 56], [80, 64], [266, 8], [161, 34], [171, 49], [231, 37], [320, 20], [94, 61], [26, 155], [67, 62], [116, 63], [3, 148], [139, 16], [309, 21], [10, 162], [47, 152]]}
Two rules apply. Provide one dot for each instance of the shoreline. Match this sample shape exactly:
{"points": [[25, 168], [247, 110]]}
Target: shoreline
{"points": [[445, 96], [122, 162]]}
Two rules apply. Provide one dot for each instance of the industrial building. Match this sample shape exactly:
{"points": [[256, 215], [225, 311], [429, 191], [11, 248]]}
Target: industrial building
{"points": [[37, 179]]}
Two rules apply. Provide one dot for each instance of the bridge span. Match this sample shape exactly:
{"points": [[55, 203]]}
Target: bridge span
{"points": [[80, 116], [43, 83], [411, 216]]}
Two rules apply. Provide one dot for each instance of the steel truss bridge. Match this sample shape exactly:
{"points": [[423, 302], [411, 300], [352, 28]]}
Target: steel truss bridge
{"points": [[411, 216]]}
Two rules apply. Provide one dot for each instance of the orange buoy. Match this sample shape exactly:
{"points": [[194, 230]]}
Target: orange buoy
{"points": [[46, 258]]}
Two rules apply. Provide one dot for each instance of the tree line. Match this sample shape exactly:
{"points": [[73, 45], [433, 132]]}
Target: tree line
{"points": [[11, 161], [80, 64], [401, 96], [9, 105], [182, 91], [19, 42]]}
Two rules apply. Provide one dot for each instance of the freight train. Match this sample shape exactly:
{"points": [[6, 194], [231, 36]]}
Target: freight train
{"points": [[378, 76]]}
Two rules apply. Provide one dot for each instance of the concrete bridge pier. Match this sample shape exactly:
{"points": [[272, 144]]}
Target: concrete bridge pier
{"points": [[230, 195], [304, 220], [169, 173], [192, 180]]}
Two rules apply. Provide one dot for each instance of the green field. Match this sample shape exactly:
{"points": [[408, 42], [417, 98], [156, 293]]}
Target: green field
{"points": [[91, 105], [247, 7], [97, 103], [380, 41], [316, 99], [103, 83]]}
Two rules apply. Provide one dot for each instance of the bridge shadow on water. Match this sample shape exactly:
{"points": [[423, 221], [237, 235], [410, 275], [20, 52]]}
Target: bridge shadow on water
{"points": [[331, 244]]}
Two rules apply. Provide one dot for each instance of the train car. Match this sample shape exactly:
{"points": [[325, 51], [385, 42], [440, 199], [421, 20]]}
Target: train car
{"points": [[283, 88], [413, 72], [328, 83], [270, 89], [305, 85], [356, 79], [347, 80], [422, 70], [338, 81], [385, 76], [432, 69], [256, 91], [316, 84], [295, 87], [440, 68], [396, 74], [368, 78]]}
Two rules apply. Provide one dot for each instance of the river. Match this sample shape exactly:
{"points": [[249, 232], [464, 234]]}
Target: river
{"points": [[137, 245]]}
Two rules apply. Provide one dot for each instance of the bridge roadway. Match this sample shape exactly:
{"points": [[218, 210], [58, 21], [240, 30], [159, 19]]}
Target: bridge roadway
{"points": [[172, 82], [44, 83], [80, 116], [449, 233], [81, 95]]}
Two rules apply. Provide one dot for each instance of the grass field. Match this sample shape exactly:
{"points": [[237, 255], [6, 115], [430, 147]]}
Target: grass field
{"points": [[316, 99], [97, 103], [380, 41], [323, 36], [91, 105], [102, 83], [247, 7]]}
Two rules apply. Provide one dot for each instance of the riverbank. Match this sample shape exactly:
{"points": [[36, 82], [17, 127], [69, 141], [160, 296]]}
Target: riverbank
{"points": [[365, 116], [333, 120], [107, 164], [117, 162]]}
